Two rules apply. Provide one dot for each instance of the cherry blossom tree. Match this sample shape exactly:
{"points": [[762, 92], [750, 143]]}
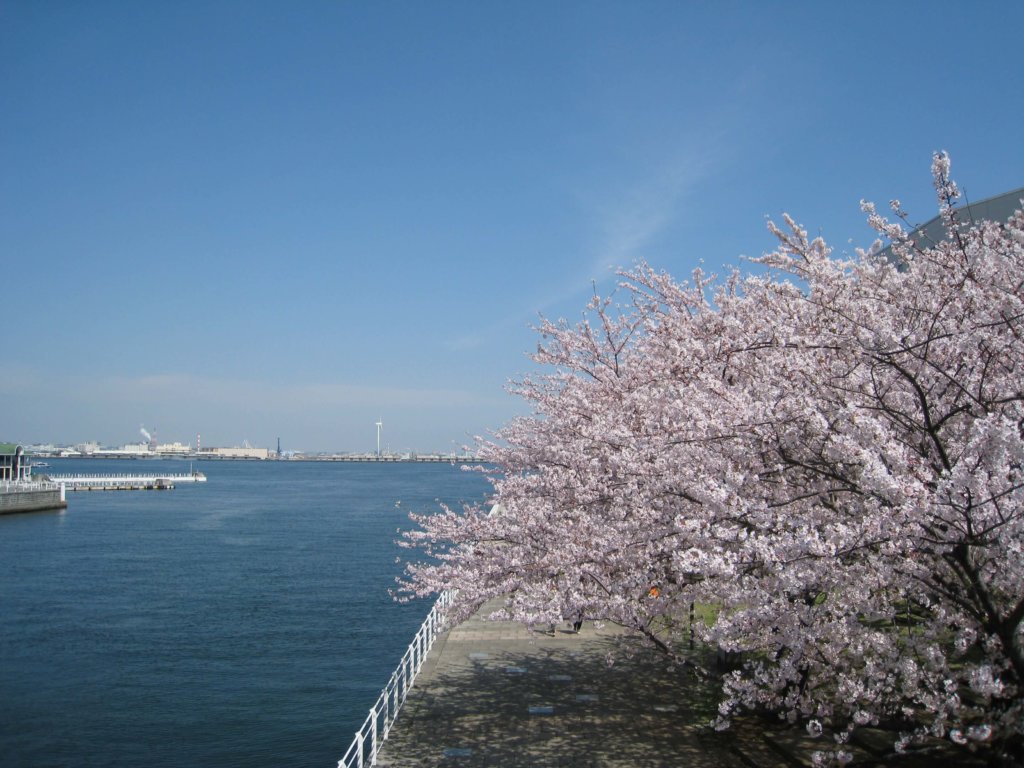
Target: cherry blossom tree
{"points": [[830, 453]]}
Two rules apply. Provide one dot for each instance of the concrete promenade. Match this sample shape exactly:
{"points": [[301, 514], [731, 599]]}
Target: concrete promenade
{"points": [[493, 694]]}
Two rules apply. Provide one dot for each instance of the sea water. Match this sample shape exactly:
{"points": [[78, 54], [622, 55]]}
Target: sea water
{"points": [[245, 621]]}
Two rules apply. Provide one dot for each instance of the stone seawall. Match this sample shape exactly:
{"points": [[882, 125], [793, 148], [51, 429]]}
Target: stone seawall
{"points": [[30, 501]]}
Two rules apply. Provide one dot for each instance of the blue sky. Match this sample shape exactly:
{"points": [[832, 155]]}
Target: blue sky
{"points": [[254, 220]]}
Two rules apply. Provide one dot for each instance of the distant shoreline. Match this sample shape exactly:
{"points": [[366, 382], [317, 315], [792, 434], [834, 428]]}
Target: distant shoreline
{"points": [[357, 458]]}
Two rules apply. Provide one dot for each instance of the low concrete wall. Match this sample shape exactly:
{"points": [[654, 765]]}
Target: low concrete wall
{"points": [[30, 501]]}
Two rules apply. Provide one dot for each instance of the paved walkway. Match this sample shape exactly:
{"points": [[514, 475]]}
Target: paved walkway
{"points": [[494, 694]]}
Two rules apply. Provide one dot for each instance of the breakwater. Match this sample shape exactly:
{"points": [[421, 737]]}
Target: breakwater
{"points": [[124, 482]]}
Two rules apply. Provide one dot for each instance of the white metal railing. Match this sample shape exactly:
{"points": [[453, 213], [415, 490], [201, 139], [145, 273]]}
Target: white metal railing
{"points": [[78, 481], [175, 476], [13, 486], [370, 737]]}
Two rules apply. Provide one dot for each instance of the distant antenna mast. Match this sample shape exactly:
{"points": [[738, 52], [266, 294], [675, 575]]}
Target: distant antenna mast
{"points": [[379, 425]]}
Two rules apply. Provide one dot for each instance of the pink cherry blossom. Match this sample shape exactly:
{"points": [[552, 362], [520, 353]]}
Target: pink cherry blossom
{"points": [[830, 452]]}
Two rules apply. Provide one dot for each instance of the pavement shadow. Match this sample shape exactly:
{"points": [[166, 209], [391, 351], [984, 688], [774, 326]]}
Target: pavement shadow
{"points": [[560, 704]]}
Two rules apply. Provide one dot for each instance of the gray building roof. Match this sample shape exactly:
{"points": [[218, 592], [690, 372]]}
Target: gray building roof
{"points": [[998, 208]]}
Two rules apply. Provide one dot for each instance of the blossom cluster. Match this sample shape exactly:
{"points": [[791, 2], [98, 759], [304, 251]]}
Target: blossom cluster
{"points": [[830, 453]]}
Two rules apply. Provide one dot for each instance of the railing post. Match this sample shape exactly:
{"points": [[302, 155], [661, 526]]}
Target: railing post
{"points": [[373, 735]]}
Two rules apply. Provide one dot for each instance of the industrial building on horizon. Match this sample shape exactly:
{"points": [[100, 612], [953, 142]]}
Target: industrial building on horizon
{"points": [[147, 450], [150, 448]]}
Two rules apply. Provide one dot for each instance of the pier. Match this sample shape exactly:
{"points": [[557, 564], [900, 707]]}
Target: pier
{"points": [[125, 482]]}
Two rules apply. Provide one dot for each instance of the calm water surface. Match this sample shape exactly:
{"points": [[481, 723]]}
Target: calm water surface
{"points": [[241, 622]]}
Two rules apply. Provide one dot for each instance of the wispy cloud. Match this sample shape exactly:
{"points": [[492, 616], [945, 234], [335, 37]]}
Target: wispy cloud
{"points": [[325, 415], [240, 393], [466, 341], [630, 215], [631, 220], [627, 214], [624, 222]]}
